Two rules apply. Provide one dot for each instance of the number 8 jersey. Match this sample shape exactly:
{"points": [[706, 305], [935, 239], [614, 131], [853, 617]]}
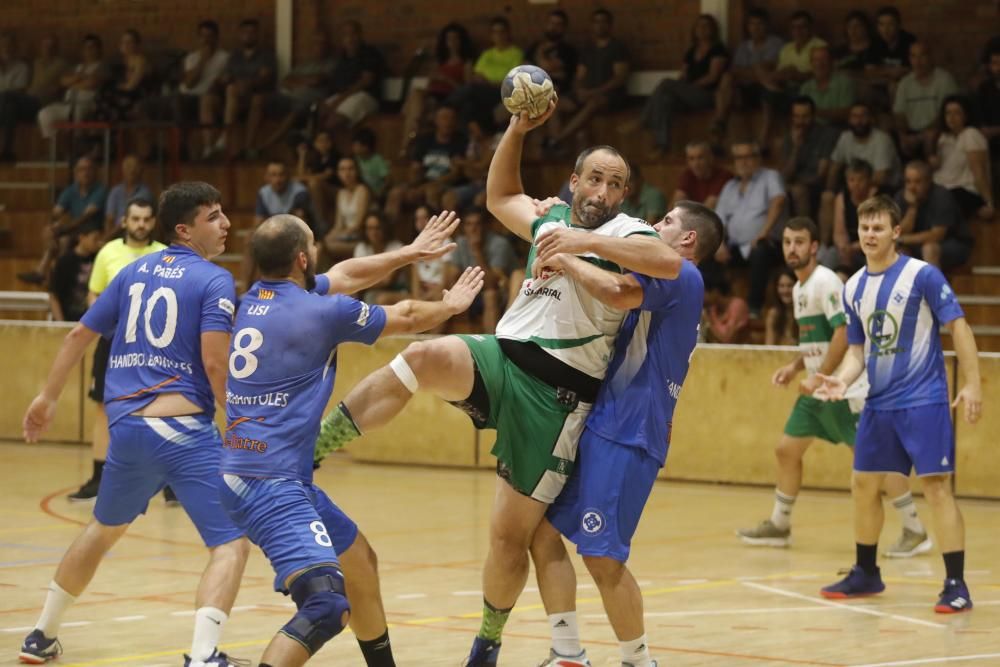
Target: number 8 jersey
{"points": [[155, 311]]}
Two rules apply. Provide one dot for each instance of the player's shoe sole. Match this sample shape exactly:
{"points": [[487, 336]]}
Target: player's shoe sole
{"points": [[776, 542]]}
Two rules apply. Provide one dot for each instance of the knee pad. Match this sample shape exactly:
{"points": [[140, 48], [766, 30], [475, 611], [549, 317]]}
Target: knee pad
{"points": [[320, 596]]}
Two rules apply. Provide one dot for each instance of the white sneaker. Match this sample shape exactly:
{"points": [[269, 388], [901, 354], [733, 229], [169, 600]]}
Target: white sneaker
{"points": [[556, 660], [909, 544]]}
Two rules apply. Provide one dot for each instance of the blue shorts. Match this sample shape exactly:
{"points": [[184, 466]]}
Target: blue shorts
{"points": [[296, 525], [148, 453], [896, 440], [599, 508]]}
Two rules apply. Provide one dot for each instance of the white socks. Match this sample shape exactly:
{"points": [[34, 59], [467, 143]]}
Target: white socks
{"points": [[636, 653], [908, 513], [565, 634], [781, 515], [208, 622], [57, 601]]}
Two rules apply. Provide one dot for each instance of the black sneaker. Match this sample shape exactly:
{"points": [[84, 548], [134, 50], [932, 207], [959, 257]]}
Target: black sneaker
{"points": [[170, 498], [85, 493]]}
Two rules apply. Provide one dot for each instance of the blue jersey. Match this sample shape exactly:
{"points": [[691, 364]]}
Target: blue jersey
{"points": [[635, 406], [154, 312], [896, 315], [281, 369]]}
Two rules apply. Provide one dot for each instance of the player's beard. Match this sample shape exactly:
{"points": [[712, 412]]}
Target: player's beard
{"points": [[310, 275], [795, 262], [591, 212]]}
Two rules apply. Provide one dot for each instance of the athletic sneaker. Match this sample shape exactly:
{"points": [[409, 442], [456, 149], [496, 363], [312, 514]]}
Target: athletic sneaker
{"points": [[556, 660], [484, 652], [909, 544], [170, 498], [766, 534], [87, 492], [37, 649], [219, 659], [954, 598], [856, 584]]}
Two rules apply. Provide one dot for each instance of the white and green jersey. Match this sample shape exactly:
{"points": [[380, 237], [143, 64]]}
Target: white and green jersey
{"points": [[819, 310], [561, 317]]}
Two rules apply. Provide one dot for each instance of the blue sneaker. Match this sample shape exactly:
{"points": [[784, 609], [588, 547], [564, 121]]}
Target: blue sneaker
{"points": [[856, 584], [484, 652], [38, 649], [954, 598], [218, 659]]}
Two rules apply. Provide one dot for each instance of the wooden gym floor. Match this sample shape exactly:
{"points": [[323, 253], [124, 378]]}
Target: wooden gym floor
{"points": [[709, 599]]}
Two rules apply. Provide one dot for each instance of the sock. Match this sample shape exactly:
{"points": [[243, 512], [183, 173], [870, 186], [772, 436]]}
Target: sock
{"points": [[57, 601], [377, 652], [338, 429], [866, 557], [954, 564], [636, 653], [781, 515], [98, 470], [208, 622], [908, 513], [565, 634], [493, 621]]}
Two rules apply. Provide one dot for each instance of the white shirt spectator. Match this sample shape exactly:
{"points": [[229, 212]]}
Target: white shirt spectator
{"points": [[216, 65], [954, 171], [14, 76]]}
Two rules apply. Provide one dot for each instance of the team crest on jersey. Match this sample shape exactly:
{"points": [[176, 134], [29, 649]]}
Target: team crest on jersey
{"points": [[226, 305], [363, 315], [898, 298], [883, 330], [593, 522], [834, 299], [803, 301], [946, 292], [265, 294], [168, 259]]}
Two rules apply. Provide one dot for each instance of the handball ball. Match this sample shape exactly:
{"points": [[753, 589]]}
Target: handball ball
{"points": [[527, 89]]}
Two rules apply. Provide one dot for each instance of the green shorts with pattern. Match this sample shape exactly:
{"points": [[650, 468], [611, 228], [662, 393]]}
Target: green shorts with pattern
{"points": [[831, 421], [537, 431]]}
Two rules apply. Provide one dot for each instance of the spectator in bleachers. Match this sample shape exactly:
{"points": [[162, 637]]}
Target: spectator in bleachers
{"points": [[864, 142], [932, 226], [454, 56], [71, 274], [962, 160], [554, 54], [752, 206], [374, 168], [479, 246], [317, 170], [702, 180], [356, 82], [481, 96], [377, 239], [600, 81], [22, 105], [753, 64], [859, 50], [860, 186], [13, 71], [472, 167], [794, 64], [307, 84], [430, 172], [780, 327], [427, 276], [81, 202], [644, 200], [81, 84], [353, 199], [988, 95], [726, 318], [918, 101], [892, 47], [282, 194], [704, 63], [805, 157], [202, 69], [832, 91], [982, 72], [116, 101], [248, 78], [120, 195]]}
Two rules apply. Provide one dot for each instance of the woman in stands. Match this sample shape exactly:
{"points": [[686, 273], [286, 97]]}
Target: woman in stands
{"points": [[962, 162], [353, 200], [780, 327], [377, 239]]}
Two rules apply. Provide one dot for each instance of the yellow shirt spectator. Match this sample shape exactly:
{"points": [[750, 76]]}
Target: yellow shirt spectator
{"points": [[798, 58], [114, 257], [493, 64]]}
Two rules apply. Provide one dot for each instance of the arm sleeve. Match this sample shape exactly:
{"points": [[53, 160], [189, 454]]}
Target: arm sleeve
{"points": [[102, 317], [656, 292], [351, 320], [219, 304], [855, 330], [99, 274], [833, 303], [322, 285], [939, 295]]}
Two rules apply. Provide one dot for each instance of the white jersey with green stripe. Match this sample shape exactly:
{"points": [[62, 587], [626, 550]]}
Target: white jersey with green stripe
{"points": [[819, 310], [560, 316]]}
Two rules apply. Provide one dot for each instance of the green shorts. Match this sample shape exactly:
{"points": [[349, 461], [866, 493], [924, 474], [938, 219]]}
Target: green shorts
{"points": [[537, 431], [813, 418]]}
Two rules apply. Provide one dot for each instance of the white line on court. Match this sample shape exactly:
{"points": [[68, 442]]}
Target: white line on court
{"points": [[466, 593], [779, 610], [76, 624], [249, 607], [931, 661], [827, 603], [411, 596], [186, 612], [26, 628], [125, 619]]}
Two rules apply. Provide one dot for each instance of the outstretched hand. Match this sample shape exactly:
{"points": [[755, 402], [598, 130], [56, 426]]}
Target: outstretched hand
{"points": [[434, 240], [38, 418], [465, 289], [832, 388], [522, 124]]}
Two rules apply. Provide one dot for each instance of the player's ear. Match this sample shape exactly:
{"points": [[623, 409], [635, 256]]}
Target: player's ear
{"points": [[573, 180]]}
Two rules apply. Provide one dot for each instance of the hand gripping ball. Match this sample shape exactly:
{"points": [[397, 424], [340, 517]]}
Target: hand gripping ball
{"points": [[527, 89]]}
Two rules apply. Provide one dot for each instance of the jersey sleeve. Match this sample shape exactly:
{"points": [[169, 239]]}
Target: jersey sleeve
{"points": [[939, 295], [102, 317], [98, 280], [855, 330], [657, 293], [218, 305], [555, 218], [833, 303], [351, 320], [322, 285]]}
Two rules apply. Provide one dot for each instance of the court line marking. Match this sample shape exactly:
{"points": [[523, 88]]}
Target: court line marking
{"points": [[931, 661], [837, 605]]}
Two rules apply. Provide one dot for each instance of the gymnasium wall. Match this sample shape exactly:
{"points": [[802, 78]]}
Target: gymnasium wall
{"points": [[728, 419]]}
